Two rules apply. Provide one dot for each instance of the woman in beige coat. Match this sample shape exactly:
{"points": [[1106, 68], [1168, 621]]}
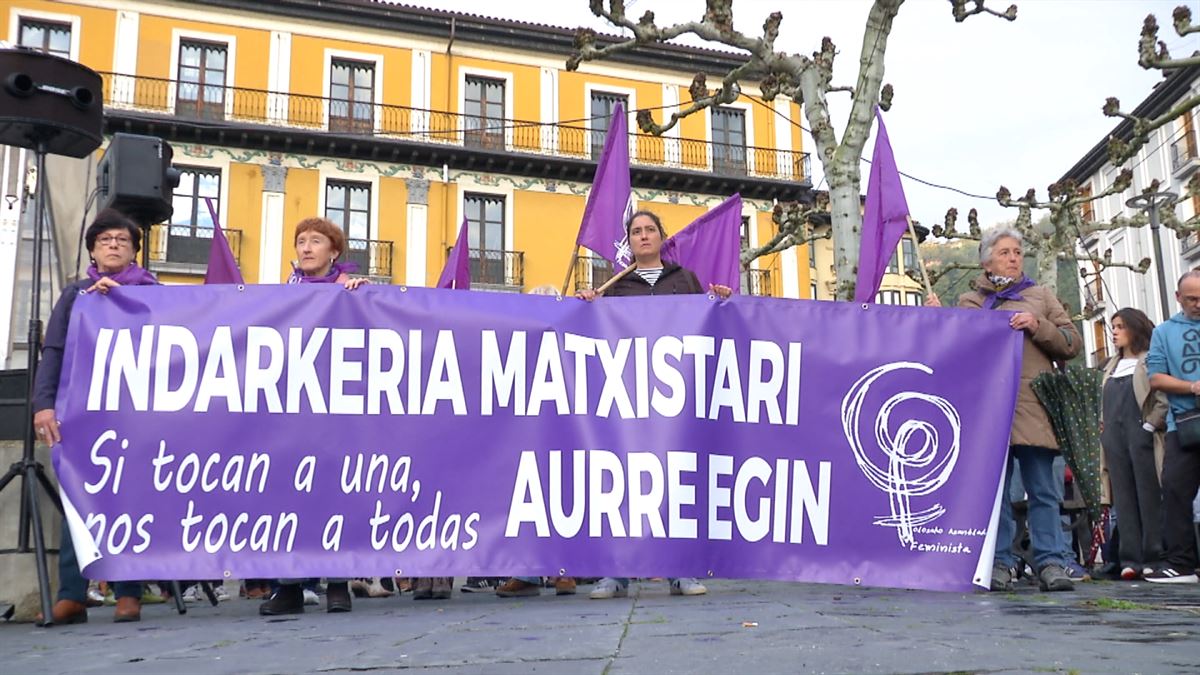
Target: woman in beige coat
{"points": [[1131, 415], [1049, 336]]}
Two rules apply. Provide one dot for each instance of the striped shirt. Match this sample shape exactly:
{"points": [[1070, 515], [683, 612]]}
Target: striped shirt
{"points": [[649, 274]]}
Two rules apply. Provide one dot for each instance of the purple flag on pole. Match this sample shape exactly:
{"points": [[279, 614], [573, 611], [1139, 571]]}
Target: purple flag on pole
{"points": [[457, 272], [610, 201], [884, 217], [222, 268], [711, 245]]}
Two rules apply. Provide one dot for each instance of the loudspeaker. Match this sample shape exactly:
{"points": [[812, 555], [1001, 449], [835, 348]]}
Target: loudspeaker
{"points": [[51, 100], [135, 177]]}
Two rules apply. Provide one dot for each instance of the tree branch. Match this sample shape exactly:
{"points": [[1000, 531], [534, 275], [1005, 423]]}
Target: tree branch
{"points": [[961, 12]]}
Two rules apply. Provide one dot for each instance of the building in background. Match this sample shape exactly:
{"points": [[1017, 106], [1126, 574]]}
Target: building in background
{"points": [[398, 123], [1171, 157]]}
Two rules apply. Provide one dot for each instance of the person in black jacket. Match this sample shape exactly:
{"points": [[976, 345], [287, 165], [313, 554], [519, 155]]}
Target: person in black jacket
{"points": [[653, 276], [113, 241]]}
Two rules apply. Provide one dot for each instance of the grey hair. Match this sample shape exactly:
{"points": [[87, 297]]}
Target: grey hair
{"points": [[544, 289], [990, 237]]}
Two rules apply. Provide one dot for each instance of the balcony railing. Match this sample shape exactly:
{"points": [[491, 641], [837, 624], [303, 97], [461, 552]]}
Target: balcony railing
{"points": [[591, 272], [316, 113], [373, 257], [184, 250], [498, 269], [757, 282], [1184, 156]]}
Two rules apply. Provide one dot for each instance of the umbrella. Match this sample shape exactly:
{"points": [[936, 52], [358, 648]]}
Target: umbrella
{"points": [[1072, 400]]}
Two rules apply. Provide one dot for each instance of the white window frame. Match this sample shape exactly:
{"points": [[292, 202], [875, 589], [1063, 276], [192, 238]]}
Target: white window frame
{"points": [[748, 109], [468, 184], [509, 93], [630, 112], [376, 89], [178, 35], [215, 163], [15, 14]]}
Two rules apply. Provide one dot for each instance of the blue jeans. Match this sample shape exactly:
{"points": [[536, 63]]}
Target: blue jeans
{"points": [[1045, 527], [72, 585]]}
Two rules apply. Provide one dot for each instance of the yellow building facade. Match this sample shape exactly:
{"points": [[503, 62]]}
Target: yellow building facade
{"points": [[399, 123]]}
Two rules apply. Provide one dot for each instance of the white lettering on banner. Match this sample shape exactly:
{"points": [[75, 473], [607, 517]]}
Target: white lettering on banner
{"points": [[761, 499], [355, 371]]}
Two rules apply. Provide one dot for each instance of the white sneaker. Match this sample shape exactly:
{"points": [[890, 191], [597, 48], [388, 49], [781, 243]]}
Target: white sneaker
{"points": [[221, 594], [608, 588], [687, 586], [310, 597], [192, 594]]}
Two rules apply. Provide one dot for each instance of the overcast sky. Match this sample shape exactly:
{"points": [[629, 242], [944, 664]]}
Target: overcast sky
{"points": [[978, 105]]}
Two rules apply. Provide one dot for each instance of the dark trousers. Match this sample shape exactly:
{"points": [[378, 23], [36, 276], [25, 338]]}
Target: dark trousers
{"points": [[72, 585], [1180, 481], [1129, 453]]}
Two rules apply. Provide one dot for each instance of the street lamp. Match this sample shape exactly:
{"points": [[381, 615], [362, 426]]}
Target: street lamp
{"points": [[1150, 203]]}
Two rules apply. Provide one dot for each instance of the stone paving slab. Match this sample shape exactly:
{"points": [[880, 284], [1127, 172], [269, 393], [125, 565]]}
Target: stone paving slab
{"points": [[1103, 627]]}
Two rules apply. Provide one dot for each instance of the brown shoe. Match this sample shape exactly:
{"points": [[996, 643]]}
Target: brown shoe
{"points": [[128, 610], [564, 586], [422, 588], [404, 584], [515, 588], [443, 588], [65, 612]]}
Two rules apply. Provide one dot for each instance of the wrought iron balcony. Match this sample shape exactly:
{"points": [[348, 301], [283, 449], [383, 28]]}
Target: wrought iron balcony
{"points": [[373, 257], [237, 107], [758, 282], [591, 272], [498, 270], [1184, 155], [182, 249]]}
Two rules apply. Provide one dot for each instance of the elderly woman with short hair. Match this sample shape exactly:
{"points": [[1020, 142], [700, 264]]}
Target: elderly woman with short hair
{"points": [[1049, 336]]}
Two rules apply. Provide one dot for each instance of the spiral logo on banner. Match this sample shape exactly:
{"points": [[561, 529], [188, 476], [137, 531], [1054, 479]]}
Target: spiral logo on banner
{"points": [[912, 462]]}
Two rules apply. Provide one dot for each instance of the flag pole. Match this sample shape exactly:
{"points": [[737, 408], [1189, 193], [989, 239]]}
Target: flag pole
{"points": [[616, 277], [570, 269], [920, 260]]}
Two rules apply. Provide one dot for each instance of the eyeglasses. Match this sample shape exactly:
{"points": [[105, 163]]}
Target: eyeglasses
{"points": [[110, 240]]}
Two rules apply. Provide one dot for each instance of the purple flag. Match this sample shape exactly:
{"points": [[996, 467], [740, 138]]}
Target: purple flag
{"points": [[457, 272], [299, 431], [222, 268], [610, 201], [711, 246], [885, 217]]}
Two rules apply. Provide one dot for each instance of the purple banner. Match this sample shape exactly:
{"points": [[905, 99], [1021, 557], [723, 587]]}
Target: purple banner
{"points": [[295, 431]]}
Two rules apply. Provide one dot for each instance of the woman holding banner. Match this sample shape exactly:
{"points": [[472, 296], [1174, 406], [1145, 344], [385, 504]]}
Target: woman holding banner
{"points": [[650, 276], [1049, 336], [113, 242], [319, 243]]}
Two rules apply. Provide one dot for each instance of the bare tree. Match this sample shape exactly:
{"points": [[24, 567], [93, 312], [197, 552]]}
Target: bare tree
{"points": [[806, 79], [1067, 227]]}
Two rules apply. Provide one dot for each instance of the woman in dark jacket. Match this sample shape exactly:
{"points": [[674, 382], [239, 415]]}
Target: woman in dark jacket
{"points": [[653, 276], [1131, 414], [113, 241]]}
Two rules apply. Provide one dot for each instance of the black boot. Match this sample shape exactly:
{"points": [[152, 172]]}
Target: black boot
{"points": [[337, 597], [288, 599]]}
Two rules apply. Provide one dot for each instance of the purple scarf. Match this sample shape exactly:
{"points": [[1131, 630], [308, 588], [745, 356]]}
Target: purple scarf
{"points": [[1010, 292], [336, 270], [133, 275]]}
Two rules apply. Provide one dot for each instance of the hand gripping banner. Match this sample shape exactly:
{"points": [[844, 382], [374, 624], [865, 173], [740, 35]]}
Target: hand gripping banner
{"points": [[298, 431]]}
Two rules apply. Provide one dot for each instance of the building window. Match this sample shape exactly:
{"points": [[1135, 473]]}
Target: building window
{"points": [[1100, 336], [484, 110], [889, 298], [914, 299], [909, 248], [50, 37], [602, 108], [729, 141], [812, 257], [348, 205], [189, 238], [201, 89], [893, 266], [1087, 210], [351, 96], [485, 237]]}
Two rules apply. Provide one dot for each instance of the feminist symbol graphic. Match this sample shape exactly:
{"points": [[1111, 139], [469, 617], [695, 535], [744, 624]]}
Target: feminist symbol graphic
{"points": [[915, 461]]}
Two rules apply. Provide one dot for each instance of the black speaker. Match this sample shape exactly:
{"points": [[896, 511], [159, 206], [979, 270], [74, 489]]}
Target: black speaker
{"points": [[135, 177], [49, 100]]}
